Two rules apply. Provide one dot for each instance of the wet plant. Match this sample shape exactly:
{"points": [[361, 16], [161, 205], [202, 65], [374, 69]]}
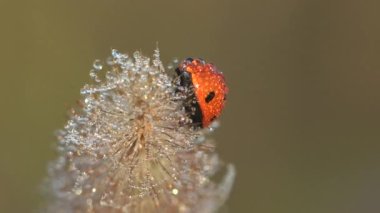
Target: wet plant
{"points": [[129, 146]]}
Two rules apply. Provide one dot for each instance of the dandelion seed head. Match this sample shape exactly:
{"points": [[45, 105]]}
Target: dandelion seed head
{"points": [[130, 146]]}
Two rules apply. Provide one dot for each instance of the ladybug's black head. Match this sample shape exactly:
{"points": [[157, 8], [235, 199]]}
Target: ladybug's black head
{"points": [[184, 77]]}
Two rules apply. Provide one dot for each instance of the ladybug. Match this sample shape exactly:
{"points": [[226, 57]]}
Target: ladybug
{"points": [[209, 90]]}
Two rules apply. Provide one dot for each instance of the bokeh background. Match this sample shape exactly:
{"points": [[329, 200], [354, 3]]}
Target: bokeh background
{"points": [[302, 120]]}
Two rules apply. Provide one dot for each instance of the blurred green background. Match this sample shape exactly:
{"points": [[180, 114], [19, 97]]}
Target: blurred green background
{"points": [[302, 120]]}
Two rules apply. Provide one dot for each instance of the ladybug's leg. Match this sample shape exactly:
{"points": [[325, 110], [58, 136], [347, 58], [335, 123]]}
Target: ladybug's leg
{"points": [[196, 114]]}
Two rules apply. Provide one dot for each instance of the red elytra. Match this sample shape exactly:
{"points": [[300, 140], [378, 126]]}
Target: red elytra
{"points": [[209, 86]]}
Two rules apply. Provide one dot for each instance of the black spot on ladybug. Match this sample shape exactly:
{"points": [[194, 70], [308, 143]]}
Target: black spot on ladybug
{"points": [[210, 96]]}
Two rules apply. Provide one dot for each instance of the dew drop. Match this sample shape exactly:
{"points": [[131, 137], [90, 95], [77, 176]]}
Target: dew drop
{"points": [[78, 191], [175, 191], [87, 100], [156, 58], [200, 139], [115, 53], [202, 180], [97, 65], [215, 124], [94, 75], [136, 55]]}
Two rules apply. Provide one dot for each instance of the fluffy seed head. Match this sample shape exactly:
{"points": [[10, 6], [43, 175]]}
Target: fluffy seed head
{"points": [[129, 147]]}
